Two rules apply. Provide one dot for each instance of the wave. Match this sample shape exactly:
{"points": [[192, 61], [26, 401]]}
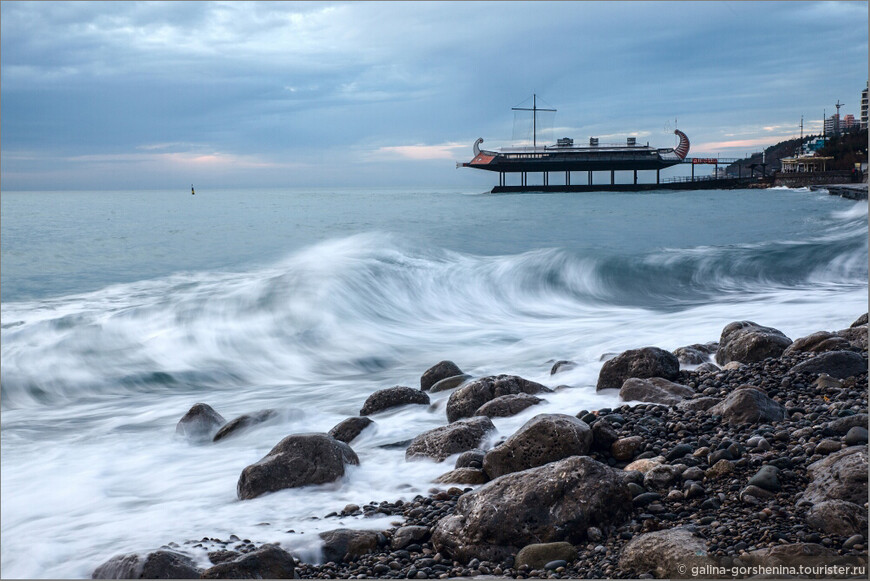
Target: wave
{"points": [[365, 303]]}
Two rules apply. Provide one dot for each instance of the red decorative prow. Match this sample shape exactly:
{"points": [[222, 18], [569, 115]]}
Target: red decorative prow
{"points": [[682, 150]]}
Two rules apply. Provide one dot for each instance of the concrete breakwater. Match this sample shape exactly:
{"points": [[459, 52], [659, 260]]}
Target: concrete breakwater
{"points": [[849, 191]]}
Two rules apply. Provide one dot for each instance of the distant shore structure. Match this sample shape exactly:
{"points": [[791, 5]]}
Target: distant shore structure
{"points": [[192, 191], [567, 157]]}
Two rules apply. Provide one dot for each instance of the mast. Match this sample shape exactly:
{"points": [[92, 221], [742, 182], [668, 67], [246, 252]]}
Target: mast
{"points": [[534, 111]]}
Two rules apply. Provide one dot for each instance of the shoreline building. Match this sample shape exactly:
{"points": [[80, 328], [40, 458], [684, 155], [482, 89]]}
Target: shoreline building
{"points": [[864, 108]]}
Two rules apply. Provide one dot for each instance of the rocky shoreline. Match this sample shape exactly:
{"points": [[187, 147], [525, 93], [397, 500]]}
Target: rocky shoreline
{"points": [[729, 470]]}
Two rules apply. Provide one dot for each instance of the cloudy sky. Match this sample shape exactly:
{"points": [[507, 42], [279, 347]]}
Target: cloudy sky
{"points": [[136, 95]]}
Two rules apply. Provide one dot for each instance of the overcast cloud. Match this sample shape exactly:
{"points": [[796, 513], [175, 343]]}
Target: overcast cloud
{"points": [[238, 94]]}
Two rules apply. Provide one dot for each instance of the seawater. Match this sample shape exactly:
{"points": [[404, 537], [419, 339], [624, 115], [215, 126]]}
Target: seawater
{"points": [[120, 310]]}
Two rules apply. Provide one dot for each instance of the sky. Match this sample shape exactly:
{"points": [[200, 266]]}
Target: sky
{"points": [[158, 95]]}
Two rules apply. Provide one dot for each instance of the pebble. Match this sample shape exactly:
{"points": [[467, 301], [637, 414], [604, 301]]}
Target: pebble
{"points": [[855, 436], [767, 478]]}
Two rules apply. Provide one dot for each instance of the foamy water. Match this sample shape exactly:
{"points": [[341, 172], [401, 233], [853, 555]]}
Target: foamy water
{"points": [[93, 382]]}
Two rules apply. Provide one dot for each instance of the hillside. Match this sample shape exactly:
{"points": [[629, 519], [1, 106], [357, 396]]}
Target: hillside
{"points": [[847, 149]]}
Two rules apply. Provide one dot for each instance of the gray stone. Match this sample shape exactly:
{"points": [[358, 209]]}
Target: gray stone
{"points": [[463, 476], [555, 502], [407, 535], [391, 397], [841, 426], [641, 363], [507, 405], [347, 430], [791, 555], [698, 403], [437, 372], [840, 476], [654, 390], [470, 459], [695, 354], [749, 342], [708, 367], [604, 434], [200, 423], [767, 478], [838, 517], [344, 544], [466, 400], [442, 442], [668, 553], [449, 383], [624, 448], [156, 565], [560, 366], [855, 436], [856, 336], [818, 343], [747, 404], [840, 364], [862, 320], [827, 446], [537, 555], [243, 423], [297, 460], [267, 562], [755, 495], [544, 438]]}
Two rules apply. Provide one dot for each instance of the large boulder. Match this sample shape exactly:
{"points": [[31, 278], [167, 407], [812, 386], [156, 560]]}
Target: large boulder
{"points": [[297, 460], [856, 336], [819, 342], [838, 492], [544, 438], [437, 372], [668, 553], [791, 555], [642, 363], [558, 501], [442, 442], [840, 364], [347, 544], [244, 422], [749, 342], [449, 383], [408, 535], [384, 399], [463, 476], [507, 405], [347, 430], [654, 390], [839, 476], [747, 405], [156, 565], [200, 423], [465, 401], [267, 562]]}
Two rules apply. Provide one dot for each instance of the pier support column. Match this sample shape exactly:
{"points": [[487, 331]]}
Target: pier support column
{"points": [[590, 177], [546, 178], [635, 177], [658, 176], [612, 177], [693, 172], [567, 178]]}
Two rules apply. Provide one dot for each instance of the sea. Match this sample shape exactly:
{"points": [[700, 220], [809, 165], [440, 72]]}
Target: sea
{"points": [[122, 309]]}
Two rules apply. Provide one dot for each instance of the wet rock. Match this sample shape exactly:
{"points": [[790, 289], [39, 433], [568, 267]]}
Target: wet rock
{"points": [[156, 565], [840, 476], [698, 404], [466, 400], [644, 465], [537, 555], [654, 390], [345, 544], [841, 426], [862, 320], [838, 517], [544, 438], [661, 476], [856, 436], [200, 423], [242, 423], [790, 555], [755, 495], [297, 460], [747, 405], [708, 367], [442, 442], [391, 397], [558, 501], [347, 430], [449, 383], [818, 343], [640, 363], [840, 364], [471, 459], [748, 342], [719, 469], [267, 562], [407, 535], [625, 448], [437, 372], [604, 434], [507, 405], [560, 366], [767, 478], [695, 354], [668, 553], [463, 476]]}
